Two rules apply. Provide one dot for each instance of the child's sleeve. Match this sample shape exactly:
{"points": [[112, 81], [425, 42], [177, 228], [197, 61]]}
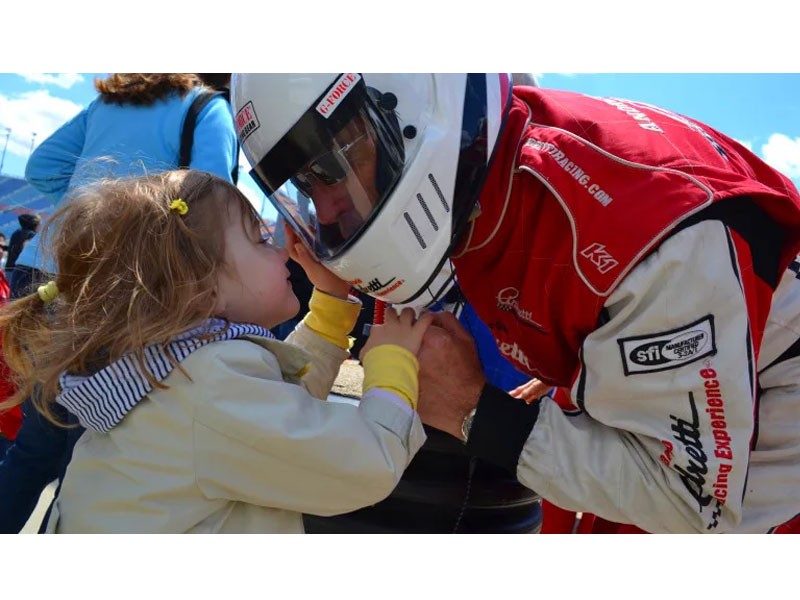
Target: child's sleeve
{"points": [[270, 443], [387, 367], [332, 318], [323, 334]]}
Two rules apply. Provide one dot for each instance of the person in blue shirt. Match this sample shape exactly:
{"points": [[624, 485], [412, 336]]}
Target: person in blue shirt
{"points": [[133, 127]]}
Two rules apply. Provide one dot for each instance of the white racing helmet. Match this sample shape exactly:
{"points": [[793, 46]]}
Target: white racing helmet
{"points": [[377, 173]]}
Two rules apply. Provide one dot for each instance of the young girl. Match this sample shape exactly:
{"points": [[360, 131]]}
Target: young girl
{"points": [[154, 333]]}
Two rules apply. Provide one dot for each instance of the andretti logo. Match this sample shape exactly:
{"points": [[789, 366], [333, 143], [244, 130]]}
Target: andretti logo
{"points": [[668, 350], [508, 300]]}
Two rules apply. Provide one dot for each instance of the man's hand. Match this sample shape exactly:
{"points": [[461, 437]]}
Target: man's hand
{"points": [[530, 390], [450, 375]]}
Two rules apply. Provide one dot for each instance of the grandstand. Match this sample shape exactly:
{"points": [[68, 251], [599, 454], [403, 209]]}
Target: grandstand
{"points": [[17, 196]]}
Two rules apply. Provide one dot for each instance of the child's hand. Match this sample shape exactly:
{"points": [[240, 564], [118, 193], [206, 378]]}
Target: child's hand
{"points": [[322, 279], [401, 330]]}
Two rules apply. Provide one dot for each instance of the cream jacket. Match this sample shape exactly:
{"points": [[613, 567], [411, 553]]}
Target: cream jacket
{"points": [[241, 448]]}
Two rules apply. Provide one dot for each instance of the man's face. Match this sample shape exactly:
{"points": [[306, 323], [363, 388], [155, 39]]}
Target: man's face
{"points": [[341, 183]]}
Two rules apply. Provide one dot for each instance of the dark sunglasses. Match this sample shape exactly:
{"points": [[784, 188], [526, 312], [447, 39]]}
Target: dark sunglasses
{"points": [[327, 169]]}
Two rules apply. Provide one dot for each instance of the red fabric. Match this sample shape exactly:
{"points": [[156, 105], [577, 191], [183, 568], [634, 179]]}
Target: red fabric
{"points": [[555, 519], [559, 521], [792, 526], [577, 198], [378, 312], [569, 174], [10, 422], [600, 525], [11, 419], [5, 288]]}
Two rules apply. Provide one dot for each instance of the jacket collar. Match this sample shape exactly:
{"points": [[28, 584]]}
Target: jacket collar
{"points": [[101, 400]]}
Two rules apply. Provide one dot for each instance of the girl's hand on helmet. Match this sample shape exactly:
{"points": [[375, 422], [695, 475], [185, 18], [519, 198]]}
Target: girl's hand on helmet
{"points": [[322, 279], [403, 330]]}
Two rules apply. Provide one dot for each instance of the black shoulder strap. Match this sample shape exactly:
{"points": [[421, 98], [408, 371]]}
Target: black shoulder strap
{"points": [[187, 133]]}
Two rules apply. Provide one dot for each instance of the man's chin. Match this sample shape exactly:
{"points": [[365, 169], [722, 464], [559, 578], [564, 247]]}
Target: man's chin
{"points": [[330, 236]]}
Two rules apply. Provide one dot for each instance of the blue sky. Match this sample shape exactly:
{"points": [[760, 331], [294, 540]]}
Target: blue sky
{"points": [[760, 110]]}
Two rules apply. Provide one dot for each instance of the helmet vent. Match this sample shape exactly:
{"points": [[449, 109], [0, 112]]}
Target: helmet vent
{"points": [[427, 211], [414, 229], [439, 193]]}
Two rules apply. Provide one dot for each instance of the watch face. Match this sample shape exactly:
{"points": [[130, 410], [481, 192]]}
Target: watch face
{"points": [[466, 425]]}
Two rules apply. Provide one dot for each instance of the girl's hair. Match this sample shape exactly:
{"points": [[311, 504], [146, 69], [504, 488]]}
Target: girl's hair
{"points": [[131, 272], [144, 88]]}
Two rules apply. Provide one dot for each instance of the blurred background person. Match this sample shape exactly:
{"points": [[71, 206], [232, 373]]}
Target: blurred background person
{"points": [[28, 226]]}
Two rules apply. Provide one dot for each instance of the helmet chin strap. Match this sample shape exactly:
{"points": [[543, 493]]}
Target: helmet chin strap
{"points": [[446, 279], [440, 284]]}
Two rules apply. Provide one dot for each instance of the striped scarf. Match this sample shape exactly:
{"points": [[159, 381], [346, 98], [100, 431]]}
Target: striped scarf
{"points": [[101, 401]]}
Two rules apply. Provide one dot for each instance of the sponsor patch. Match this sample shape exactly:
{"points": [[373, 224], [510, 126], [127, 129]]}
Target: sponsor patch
{"points": [[508, 300], [514, 353], [246, 121], [336, 93], [668, 350], [795, 268], [599, 257], [377, 288]]}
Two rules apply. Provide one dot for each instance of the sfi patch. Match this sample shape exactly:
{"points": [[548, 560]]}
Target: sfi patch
{"points": [[246, 121], [668, 350]]}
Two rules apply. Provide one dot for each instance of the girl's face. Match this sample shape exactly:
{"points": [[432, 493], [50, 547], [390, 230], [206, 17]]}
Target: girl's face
{"points": [[254, 287]]}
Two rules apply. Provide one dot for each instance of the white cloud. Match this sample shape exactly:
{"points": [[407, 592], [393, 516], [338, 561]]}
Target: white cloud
{"points": [[32, 112], [540, 76], [64, 80], [783, 153]]}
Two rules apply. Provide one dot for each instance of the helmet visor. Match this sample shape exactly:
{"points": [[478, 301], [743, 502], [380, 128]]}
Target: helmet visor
{"points": [[329, 175]]}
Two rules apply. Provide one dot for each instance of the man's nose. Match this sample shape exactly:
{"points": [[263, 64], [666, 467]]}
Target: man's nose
{"points": [[330, 201]]}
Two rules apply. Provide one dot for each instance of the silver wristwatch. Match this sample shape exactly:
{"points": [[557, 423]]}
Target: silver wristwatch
{"points": [[466, 424]]}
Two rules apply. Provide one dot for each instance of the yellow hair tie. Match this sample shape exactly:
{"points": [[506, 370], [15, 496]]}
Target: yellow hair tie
{"points": [[178, 206], [48, 292]]}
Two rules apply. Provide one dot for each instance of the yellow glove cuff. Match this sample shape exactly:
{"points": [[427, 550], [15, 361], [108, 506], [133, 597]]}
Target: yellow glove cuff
{"points": [[332, 318], [392, 368]]}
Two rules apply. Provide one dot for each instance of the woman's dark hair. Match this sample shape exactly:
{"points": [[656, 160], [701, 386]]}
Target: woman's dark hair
{"points": [[216, 81]]}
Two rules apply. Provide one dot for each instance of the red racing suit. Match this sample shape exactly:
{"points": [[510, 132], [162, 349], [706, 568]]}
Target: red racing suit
{"points": [[642, 262], [10, 418]]}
